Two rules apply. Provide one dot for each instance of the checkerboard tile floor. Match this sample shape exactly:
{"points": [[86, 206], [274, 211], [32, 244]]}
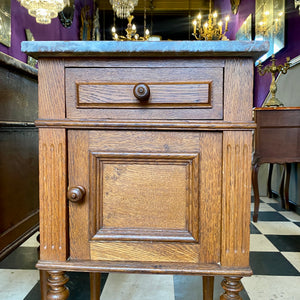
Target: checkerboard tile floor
{"points": [[274, 258]]}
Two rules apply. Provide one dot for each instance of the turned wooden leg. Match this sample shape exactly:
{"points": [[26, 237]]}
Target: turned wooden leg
{"points": [[95, 285], [56, 283], [208, 287], [287, 173], [269, 184], [44, 284], [281, 188], [232, 286], [255, 169]]}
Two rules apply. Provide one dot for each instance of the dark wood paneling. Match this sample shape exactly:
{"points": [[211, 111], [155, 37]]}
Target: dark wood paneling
{"points": [[18, 154]]}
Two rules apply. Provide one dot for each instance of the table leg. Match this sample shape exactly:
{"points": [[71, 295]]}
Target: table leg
{"points": [[43, 284], [95, 285], [208, 287], [56, 283], [269, 192], [287, 176], [232, 286], [285, 185], [255, 169]]}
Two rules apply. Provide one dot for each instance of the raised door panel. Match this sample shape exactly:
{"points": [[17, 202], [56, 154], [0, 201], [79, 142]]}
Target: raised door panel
{"points": [[147, 197]]}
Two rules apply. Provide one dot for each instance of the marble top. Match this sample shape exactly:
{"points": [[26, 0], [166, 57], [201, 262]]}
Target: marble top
{"points": [[38, 49]]}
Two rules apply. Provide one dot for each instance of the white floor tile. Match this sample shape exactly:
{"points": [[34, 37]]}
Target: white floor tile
{"points": [[294, 259], [16, 284], [138, 286], [259, 242], [31, 242], [272, 287], [290, 215], [268, 200], [279, 228], [263, 207]]}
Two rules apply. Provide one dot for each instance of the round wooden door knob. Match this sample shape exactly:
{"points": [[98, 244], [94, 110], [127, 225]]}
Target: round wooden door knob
{"points": [[76, 194], [141, 91]]}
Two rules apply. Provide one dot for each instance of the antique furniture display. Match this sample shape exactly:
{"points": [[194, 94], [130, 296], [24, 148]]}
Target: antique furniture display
{"points": [[18, 153], [276, 141], [145, 159]]}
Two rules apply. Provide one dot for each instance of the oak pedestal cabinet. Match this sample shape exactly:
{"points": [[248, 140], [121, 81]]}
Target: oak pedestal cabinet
{"points": [[145, 159]]}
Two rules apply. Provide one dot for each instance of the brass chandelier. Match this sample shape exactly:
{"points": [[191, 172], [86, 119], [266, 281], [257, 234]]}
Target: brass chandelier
{"points": [[212, 29], [131, 34], [44, 10]]}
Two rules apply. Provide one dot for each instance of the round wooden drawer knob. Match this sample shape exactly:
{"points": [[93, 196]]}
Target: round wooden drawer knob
{"points": [[76, 194], [141, 91]]}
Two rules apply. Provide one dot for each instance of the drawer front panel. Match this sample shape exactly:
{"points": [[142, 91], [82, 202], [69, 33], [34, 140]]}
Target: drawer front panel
{"points": [[120, 95], [175, 93], [149, 196]]}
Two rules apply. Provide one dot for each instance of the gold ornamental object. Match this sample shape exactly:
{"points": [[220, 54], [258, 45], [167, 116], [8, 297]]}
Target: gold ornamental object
{"points": [[131, 34], [273, 69], [212, 29]]}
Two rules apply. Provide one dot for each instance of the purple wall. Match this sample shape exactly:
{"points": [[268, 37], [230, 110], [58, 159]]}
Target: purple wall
{"points": [[292, 42], [246, 7], [21, 20]]}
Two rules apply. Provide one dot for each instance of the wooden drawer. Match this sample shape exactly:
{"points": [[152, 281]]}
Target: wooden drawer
{"points": [[175, 92]]}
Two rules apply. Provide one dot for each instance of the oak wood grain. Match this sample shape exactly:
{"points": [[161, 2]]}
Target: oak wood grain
{"points": [[51, 89], [238, 92], [175, 93], [167, 183], [53, 206], [236, 197]]}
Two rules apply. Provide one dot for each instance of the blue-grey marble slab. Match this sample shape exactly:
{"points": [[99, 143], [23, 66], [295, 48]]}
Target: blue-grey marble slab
{"points": [[253, 49]]}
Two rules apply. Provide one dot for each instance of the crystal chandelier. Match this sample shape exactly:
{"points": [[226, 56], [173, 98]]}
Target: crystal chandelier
{"points": [[123, 8], [44, 10], [212, 29]]}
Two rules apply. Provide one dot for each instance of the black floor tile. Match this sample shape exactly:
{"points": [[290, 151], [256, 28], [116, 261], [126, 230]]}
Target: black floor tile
{"points": [[271, 216], [21, 258], [288, 243], [253, 229], [35, 293], [276, 206], [271, 263]]}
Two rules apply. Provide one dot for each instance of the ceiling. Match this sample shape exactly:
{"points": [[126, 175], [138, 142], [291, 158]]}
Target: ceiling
{"points": [[163, 6]]}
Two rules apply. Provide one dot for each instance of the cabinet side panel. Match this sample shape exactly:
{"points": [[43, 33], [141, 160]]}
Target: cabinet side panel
{"points": [[210, 196], [238, 90], [236, 198], [51, 89], [53, 213]]}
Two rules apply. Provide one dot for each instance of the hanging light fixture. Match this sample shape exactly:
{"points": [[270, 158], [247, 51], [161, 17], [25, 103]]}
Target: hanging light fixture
{"points": [[44, 10], [212, 29], [131, 34], [123, 8]]}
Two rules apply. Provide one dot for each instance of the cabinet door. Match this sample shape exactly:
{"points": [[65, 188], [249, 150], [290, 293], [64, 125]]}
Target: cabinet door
{"points": [[150, 196]]}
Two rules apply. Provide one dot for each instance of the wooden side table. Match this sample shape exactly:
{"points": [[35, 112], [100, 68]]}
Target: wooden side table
{"points": [[145, 159], [276, 141]]}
